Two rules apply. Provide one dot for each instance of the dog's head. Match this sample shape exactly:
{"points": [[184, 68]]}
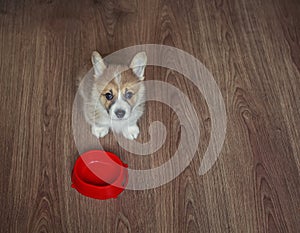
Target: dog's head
{"points": [[119, 88]]}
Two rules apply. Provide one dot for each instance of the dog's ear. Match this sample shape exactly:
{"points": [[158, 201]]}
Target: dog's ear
{"points": [[138, 64], [98, 64]]}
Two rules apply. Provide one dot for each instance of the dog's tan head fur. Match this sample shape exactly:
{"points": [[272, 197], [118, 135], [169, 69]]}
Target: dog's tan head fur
{"points": [[120, 88]]}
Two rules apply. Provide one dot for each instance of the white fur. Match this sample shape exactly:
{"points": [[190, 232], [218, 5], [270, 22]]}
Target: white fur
{"points": [[138, 64], [95, 113], [98, 64]]}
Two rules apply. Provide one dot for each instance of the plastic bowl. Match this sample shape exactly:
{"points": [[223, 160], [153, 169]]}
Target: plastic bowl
{"points": [[100, 175]]}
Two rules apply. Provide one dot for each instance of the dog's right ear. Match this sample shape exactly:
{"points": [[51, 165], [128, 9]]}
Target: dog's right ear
{"points": [[138, 64], [98, 64]]}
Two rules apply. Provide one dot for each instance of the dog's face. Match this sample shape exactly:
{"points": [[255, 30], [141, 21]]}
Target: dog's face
{"points": [[125, 90], [121, 95]]}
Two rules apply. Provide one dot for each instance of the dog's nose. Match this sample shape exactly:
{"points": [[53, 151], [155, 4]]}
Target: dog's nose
{"points": [[120, 113]]}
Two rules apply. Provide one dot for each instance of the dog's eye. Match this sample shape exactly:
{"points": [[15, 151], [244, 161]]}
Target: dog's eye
{"points": [[109, 96], [128, 95]]}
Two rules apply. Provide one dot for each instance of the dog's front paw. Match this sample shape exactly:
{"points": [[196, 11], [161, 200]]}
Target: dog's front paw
{"points": [[131, 132], [99, 132]]}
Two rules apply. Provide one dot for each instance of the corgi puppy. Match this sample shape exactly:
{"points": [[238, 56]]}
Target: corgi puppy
{"points": [[116, 97]]}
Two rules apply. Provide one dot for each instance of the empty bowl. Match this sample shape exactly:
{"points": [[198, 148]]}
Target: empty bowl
{"points": [[100, 175]]}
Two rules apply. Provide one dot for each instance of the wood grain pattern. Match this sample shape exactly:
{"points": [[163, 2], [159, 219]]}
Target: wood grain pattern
{"points": [[252, 49]]}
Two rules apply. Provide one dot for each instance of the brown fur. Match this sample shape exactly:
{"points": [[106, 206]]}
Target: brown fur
{"points": [[126, 105], [129, 83], [126, 82]]}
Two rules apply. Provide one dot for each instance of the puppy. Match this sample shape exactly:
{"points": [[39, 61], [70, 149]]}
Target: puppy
{"points": [[115, 98]]}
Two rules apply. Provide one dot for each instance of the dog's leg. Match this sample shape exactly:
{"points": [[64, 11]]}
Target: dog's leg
{"points": [[131, 132], [99, 132]]}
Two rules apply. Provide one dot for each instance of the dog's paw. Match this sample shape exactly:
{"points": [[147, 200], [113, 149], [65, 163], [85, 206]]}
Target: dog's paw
{"points": [[131, 132], [99, 132]]}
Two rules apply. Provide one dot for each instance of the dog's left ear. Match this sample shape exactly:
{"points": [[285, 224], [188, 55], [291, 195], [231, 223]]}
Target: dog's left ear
{"points": [[138, 64], [98, 64]]}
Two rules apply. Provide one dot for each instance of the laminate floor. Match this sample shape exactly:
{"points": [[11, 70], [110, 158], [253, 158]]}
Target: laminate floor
{"points": [[252, 48]]}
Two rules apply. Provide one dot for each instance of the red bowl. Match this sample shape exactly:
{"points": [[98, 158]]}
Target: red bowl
{"points": [[99, 174]]}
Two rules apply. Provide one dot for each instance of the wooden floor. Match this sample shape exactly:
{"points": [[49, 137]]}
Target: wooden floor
{"points": [[252, 48]]}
